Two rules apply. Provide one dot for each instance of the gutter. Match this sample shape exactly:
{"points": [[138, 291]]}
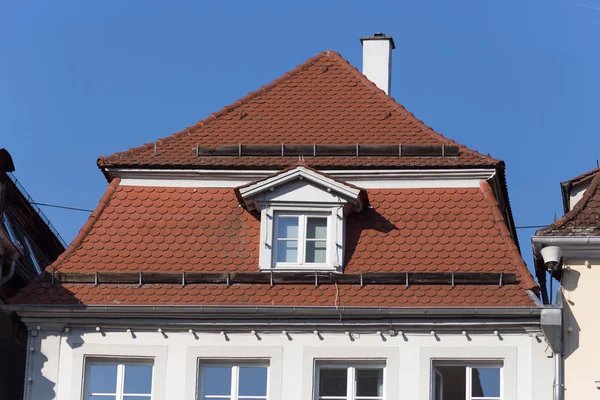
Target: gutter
{"points": [[572, 246], [187, 312]]}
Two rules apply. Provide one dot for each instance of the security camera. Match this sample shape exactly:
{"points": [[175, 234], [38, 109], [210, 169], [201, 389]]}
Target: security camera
{"points": [[552, 256]]}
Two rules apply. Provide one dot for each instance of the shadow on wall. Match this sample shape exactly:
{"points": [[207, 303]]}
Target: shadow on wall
{"points": [[44, 363], [42, 386], [569, 283]]}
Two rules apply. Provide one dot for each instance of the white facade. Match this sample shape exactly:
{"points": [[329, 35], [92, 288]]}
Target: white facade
{"points": [[579, 286], [57, 358]]}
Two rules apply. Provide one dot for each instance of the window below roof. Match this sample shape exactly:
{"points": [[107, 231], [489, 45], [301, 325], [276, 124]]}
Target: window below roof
{"points": [[348, 382], [118, 380], [466, 380], [233, 381]]}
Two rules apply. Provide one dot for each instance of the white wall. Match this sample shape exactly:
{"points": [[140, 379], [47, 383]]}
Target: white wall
{"points": [[582, 348], [528, 371]]}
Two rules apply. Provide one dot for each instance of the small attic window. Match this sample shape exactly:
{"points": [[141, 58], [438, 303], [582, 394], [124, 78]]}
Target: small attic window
{"points": [[302, 217], [301, 239]]}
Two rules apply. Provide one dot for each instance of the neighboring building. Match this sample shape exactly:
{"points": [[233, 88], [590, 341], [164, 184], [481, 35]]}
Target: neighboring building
{"points": [[574, 242], [313, 240], [28, 243]]}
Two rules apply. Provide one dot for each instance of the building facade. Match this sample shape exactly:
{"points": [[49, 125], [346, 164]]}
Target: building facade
{"points": [[575, 238], [28, 243], [313, 240]]}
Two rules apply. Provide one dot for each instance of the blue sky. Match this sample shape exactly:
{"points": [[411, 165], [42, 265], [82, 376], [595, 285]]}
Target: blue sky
{"points": [[518, 79]]}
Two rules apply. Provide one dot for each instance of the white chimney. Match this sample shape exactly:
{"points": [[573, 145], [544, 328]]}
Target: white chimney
{"points": [[377, 60]]}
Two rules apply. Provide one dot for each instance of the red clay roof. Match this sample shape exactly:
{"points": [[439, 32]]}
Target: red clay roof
{"points": [[165, 229], [325, 100], [584, 218]]}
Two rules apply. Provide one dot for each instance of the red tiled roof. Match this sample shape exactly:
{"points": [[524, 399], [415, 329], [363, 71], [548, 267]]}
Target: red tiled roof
{"points": [[325, 100], [584, 218], [165, 229]]}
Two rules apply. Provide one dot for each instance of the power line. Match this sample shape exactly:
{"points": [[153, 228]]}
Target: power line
{"points": [[86, 210], [63, 207]]}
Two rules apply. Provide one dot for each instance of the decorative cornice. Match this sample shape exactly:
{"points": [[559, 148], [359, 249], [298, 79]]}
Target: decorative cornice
{"points": [[375, 178]]}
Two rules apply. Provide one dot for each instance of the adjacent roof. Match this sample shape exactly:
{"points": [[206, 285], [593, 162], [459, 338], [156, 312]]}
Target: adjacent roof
{"points": [[168, 230], [584, 218], [324, 101]]}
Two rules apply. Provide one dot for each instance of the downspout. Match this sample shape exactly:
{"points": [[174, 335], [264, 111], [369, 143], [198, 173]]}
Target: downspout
{"points": [[11, 272], [552, 326], [559, 385], [558, 370]]}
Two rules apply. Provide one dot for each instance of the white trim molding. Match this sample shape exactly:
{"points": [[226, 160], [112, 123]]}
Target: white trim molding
{"points": [[252, 192], [373, 178]]}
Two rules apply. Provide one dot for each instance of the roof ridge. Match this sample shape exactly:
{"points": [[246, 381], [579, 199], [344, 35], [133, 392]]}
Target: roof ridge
{"points": [[584, 175], [225, 110], [89, 224], [510, 244], [578, 208]]}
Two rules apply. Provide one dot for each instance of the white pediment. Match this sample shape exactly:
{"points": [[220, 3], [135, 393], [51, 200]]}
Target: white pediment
{"points": [[299, 185]]}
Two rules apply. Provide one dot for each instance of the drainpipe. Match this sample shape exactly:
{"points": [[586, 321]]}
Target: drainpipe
{"points": [[558, 381], [11, 272], [552, 326], [559, 384]]}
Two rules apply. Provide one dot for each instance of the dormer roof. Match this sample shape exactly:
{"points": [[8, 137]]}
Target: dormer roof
{"points": [[253, 192]]}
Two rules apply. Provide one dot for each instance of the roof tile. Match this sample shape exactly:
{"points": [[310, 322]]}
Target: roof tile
{"points": [[304, 106], [396, 234]]}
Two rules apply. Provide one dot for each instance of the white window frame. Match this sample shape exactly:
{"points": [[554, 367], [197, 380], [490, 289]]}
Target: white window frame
{"points": [[469, 365], [335, 237], [302, 239], [235, 378], [350, 380], [120, 363]]}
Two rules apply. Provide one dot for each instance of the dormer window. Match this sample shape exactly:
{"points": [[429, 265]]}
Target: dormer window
{"points": [[302, 214], [301, 239]]}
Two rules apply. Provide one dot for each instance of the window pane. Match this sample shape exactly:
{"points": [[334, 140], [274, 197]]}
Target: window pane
{"points": [[316, 228], [101, 398], [486, 382], [316, 252], [137, 397], [287, 227], [451, 382], [333, 382], [216, 381], [253, 381], [138, 379], [102, 378], [369, 382], [287, 251]]}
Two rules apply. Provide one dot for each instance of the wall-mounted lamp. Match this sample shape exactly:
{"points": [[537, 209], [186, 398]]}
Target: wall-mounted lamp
{"points": [[552, 256]]}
